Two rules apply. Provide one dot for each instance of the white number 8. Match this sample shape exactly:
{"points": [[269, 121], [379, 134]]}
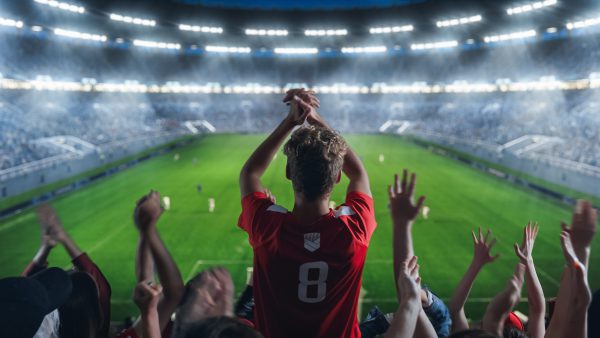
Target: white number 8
{"points": [[319, 283]]}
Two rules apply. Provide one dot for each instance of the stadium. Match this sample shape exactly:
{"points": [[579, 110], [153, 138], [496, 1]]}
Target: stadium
{"points": [[494, 104]]}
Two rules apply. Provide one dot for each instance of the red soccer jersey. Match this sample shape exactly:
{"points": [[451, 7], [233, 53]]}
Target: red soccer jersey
{"points": [[307, 277]]}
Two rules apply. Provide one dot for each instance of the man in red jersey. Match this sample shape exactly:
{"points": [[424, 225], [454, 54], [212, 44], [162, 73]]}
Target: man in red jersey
{"points": [[308, 262]]}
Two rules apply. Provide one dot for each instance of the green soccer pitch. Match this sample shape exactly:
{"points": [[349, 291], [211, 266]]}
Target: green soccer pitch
{"points": [[99, 218]]}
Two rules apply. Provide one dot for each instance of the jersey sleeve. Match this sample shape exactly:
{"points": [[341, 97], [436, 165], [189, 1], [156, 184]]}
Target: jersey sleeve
{"points": [[251, 220], [85, 264], [364, 224]]}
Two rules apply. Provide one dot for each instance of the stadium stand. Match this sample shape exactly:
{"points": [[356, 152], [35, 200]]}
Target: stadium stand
{"points": [[511, 93]]}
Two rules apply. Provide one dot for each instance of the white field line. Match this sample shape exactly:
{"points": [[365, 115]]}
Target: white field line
{"points": [[20, 216], [99, 244], [540, 271]]}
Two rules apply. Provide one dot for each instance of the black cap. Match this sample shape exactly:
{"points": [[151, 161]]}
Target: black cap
{"points": [[25, 301]]}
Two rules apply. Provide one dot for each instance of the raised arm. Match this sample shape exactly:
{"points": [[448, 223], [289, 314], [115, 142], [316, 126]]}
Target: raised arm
{"points": [[144, 264], [409, 295], [353, 167], [48, 242], [404, 210], [535, 295], [501, 306], [54, 229], [260, 159], [81, 262], [481, 256], [146, 296], [146, 216], [580, 235]]}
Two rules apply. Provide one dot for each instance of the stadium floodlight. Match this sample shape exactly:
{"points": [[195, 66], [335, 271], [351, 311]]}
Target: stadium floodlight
{"points": [[79, 35], [11, 23], [266, 32], [530, 7], [510, 36], [584, 23], [132, 20], [391, 29], [434, 45], [227, 49], [325, 32], [302, 50], [361, 50], [201, 29], [62, 5], [156, 44], [37, 28], [252, 88], [341, 88], [459, 21]]}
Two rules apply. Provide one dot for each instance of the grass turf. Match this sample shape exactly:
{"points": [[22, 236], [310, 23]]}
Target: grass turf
{"points": [[99, 218]]}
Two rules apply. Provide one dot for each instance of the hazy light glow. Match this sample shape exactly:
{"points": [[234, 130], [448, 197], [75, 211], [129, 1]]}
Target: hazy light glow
{"points": [[11, 23], [325, 32], [156, 44], [302, 50], [530, 7], [62, 5], [459, 21], [361, 50], [391, 29], [79, 35], [510, 36], [227, 49], [266, 32], [434, 45], [132, 20], [201, 29], [546, 83], [584, 23]]}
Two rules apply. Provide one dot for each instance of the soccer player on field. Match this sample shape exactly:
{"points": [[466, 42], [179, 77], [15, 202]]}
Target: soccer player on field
{"points": [[308, 262]]}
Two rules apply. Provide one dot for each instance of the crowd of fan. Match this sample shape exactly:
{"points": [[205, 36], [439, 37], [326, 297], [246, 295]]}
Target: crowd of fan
{"points": [[50, 302], [25, 119], [494, 119]]}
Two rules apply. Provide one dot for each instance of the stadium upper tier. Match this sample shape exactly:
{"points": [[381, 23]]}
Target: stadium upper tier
{"points": [[568, 119]]}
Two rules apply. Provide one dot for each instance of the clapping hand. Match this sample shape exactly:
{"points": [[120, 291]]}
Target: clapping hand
{"points": [[146, 296], [147, 211]]}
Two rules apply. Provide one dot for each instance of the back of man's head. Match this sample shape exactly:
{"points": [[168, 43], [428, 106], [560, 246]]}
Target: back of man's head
{"points": [[218, 327], [315, 158]]}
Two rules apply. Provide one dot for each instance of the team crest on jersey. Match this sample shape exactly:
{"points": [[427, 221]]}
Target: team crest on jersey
{"points": [[312, 241]]}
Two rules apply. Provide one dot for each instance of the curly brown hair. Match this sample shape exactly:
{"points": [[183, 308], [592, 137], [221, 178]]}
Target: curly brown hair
{"points": [[315, 158]]}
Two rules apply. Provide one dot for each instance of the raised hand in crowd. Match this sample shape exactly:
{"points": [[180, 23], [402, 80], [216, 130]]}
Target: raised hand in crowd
{"points": [[146, 296], [409, 296], [536, 327], [152, 253], [482, 247], [568, 318], [502, 305], [404, 211], [86, 312]]}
